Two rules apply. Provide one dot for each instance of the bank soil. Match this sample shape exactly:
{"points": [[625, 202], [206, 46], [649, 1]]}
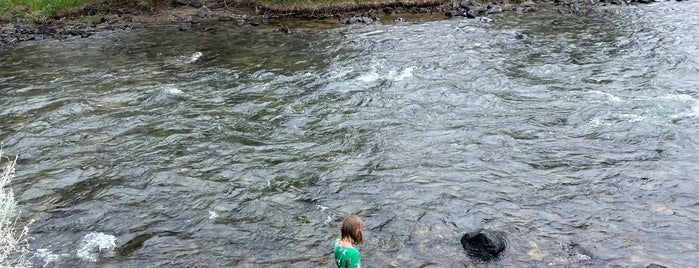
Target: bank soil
{"points": [[202, 15]]}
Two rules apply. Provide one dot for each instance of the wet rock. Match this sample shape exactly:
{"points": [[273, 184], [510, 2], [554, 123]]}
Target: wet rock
{"points": [[616, 2], [485, 19], [451, 13], [283, 30], [471, 14], [224, 18], [468, 3], [46, 30], [521, 36], [653, 265], [195, 20], [192, 3], [645, 1], [354, 20], [483, 245], [195, 4], [185, 27], [494, 10]]}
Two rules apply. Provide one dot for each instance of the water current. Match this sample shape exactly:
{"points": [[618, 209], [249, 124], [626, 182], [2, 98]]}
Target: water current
{"points": [[245, 146]]}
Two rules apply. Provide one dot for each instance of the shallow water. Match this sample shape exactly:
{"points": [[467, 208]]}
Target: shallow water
{"points": [[245, 147]]}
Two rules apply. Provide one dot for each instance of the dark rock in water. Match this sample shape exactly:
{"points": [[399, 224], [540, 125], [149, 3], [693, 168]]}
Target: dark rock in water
{"points": [[185, 27], [483, 244], [353, 20], [653, 265], [521, 36], [224, 18], [645, 1], [471, 14]]}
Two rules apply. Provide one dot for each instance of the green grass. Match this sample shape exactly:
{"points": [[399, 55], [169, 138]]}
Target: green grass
{"points": [[36, 9]]}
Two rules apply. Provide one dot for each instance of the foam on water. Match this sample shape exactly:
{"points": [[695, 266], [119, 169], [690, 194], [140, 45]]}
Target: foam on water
{"points": [[93, 243], [195, 57], [609, 96], [404, 74], [391, 75], [48, 256], [212, 215], [170, 89], [693, 103]]}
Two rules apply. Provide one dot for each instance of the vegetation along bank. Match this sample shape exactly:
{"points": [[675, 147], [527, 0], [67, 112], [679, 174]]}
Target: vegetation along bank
{"points": [[24, 20]]}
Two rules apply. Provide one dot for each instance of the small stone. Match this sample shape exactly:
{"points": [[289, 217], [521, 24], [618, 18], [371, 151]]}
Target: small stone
{"points": [[485, 19]]}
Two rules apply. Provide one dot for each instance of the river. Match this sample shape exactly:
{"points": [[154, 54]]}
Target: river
{"points": [[245, 146]]}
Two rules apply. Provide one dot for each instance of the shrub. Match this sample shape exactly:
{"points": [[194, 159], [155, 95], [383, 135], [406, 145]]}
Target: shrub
{"points": [[13, 241]]}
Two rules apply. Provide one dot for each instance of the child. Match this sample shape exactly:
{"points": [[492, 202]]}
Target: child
{"points": [[352, 231]]}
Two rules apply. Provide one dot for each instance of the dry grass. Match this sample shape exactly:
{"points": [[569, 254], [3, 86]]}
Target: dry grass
{"points": [[13, 241], [340, 6]]}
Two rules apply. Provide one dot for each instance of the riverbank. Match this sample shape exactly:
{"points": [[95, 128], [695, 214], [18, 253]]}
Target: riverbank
{"points": [[193, 15]]}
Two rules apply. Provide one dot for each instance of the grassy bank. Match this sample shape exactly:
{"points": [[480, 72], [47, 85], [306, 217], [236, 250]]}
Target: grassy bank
{"points": [[41, 10], [331, 6], [33, 10]]}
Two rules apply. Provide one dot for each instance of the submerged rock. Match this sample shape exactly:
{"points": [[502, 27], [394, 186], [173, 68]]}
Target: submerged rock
{"points": [[483, 245]]}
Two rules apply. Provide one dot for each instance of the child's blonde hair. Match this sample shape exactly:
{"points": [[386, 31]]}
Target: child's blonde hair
{"points": [[352, 227]]}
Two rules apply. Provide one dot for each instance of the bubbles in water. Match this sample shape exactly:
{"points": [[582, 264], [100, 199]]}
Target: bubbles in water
{"points": [[392, 75], [170, 89], [93, 243], [406, 73], [48, 256], [607, 95], [195, 57]]}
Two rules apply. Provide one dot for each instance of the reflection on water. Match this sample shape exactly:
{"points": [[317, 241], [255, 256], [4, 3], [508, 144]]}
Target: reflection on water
{"points": [[245, 146]]}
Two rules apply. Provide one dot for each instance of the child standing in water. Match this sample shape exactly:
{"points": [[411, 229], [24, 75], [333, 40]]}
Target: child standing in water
{"points": [[352, 233]]}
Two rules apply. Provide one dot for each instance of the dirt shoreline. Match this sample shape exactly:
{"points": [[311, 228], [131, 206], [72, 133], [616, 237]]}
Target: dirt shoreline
{"points": [[193, 15]]}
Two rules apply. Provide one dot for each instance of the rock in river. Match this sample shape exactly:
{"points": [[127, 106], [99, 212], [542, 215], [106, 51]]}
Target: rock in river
{"points": [[483, 244]]}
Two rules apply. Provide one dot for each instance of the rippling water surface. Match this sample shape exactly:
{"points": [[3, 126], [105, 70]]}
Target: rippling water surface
{"points": [[245, 147]]}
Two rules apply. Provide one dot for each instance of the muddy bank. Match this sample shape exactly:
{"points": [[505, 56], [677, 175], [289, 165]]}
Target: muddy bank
{"points": [[196, 15]]}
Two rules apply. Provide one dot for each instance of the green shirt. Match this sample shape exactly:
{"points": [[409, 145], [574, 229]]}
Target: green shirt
{"points": [[346, 257]]}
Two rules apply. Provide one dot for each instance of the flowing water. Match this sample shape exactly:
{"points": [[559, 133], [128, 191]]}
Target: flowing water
{"points": [[245, 147]]}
